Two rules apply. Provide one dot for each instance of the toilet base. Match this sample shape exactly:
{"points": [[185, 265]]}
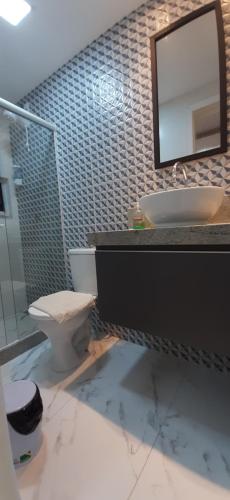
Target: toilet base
{"points": [[69, 340], [69, 355]]}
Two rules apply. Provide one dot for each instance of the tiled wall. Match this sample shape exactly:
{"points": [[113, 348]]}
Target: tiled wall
{"points": [[101, 102]]}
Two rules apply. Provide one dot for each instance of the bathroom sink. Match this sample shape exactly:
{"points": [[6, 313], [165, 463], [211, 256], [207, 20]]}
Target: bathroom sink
{"points": [[185, 206]]}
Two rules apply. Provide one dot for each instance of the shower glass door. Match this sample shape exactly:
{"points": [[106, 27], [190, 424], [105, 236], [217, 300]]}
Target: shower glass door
{"points": [[31, 243], [8, 323]]}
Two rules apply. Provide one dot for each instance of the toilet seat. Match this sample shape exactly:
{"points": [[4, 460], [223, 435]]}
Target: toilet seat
{"points": [[39, 315]]}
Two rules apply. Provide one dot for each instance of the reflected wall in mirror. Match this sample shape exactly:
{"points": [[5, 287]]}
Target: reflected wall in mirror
{"points": [[189, 87]]}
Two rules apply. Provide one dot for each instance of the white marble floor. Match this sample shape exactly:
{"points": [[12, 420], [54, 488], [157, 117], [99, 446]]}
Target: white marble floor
{"points": [[129, 424]]}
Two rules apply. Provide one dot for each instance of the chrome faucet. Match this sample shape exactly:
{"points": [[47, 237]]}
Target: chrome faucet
{"points": [[184, 171]]}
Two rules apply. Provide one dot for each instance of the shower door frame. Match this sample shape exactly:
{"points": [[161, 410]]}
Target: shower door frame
{"points": [[13, 108]]}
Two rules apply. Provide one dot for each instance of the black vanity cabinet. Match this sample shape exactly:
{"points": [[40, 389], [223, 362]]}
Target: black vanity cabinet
{"points": [[179, 295]]}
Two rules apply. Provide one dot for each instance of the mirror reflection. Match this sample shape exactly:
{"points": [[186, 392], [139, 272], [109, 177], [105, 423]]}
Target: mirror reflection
{"points": [[188, 81]]}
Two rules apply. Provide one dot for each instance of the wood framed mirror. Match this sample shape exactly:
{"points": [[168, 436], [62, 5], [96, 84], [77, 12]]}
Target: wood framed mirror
{"points": [[189, 87]]}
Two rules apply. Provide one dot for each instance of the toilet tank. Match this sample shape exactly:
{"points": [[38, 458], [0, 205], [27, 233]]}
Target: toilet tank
{"points": [[83, 270]]}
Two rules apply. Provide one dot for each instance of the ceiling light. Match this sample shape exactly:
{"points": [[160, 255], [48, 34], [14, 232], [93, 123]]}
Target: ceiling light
{"points": [[13, 11]]}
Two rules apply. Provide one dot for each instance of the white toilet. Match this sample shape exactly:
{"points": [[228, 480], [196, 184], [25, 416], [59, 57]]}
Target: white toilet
{"points": [[70, 339]]}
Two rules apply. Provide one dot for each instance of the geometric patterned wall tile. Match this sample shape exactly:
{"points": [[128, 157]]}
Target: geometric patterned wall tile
{"points": [[101, 103]]}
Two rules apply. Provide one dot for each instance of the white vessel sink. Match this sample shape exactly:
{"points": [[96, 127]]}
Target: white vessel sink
{"points": [[181, 207]]}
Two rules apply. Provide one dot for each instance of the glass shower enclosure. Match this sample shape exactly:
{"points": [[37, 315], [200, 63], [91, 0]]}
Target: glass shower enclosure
{"points": [[31, 243]]}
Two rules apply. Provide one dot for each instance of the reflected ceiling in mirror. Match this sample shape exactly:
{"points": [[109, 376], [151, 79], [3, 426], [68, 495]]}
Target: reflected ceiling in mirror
{"points": [[188, 63]]}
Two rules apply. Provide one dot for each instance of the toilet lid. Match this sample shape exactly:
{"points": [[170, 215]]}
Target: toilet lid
{"points": [[81, 301], [38, 314]]}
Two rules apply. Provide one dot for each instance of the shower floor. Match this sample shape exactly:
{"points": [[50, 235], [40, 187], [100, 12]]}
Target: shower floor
{"points": [[15, 328]]}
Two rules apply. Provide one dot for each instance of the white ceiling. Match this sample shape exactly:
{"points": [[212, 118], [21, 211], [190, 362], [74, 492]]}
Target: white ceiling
{"points": [[188, 59], [49, 36]]}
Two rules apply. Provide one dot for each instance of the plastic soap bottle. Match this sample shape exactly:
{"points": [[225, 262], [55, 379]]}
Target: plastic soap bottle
{"points": [[138, 218]]}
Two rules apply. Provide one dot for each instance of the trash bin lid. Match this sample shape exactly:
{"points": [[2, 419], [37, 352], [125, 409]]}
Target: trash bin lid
{"points": [[18, 395]]}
